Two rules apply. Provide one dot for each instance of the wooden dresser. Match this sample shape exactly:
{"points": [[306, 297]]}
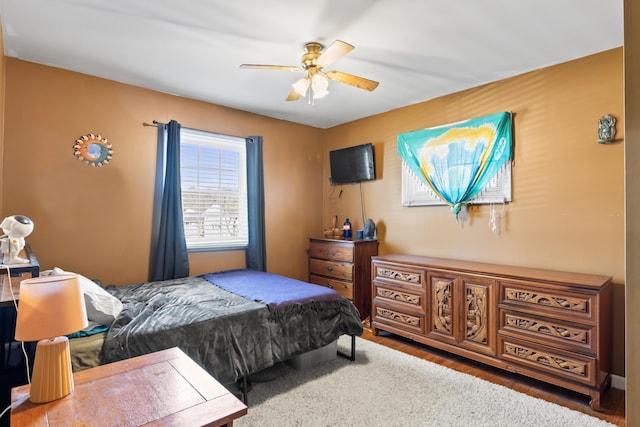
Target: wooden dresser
{"points": [[550, 325], [344, 265]]}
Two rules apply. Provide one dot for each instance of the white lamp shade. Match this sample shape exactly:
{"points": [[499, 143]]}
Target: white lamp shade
{"points": [[301, 86], [319, 85], [49, 307]]}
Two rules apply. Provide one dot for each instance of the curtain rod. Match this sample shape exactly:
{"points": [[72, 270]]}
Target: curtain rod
{"points": [[156, 123]]}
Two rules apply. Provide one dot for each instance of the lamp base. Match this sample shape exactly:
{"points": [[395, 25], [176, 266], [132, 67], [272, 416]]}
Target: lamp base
{"points": [[52, 374]]}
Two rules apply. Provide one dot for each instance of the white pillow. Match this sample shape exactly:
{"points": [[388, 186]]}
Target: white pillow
{"points": [[102, 307]]}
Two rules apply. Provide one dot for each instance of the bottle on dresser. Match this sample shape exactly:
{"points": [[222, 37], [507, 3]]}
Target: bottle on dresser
{"points": [[346, 228]]}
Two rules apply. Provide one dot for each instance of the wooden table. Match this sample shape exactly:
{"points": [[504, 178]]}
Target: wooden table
{"points": [[158, 389]]}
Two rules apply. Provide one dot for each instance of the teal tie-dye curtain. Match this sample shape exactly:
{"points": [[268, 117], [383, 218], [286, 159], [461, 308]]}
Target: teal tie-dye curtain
{"points": [[457, 161]]}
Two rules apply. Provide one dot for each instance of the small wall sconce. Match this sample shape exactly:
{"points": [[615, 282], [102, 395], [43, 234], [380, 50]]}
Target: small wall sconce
{"points": [[606, 129]]}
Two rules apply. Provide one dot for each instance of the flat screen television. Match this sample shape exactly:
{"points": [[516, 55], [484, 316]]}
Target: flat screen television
{"points": [[352, 164]]}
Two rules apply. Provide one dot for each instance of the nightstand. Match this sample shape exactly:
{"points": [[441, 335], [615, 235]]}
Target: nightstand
{"points": [[9, 294]]}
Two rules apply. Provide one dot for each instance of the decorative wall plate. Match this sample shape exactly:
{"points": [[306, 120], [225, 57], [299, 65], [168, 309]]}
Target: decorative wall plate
{"points": [[93, 150]]}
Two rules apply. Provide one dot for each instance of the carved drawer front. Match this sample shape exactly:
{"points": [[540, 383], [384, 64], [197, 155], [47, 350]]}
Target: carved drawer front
{"points": [[404, 276], [332, 251], [548, 331], [343, 288], [568, 365], [398, 295], [561, 304], [396, 316], [338, 270]]}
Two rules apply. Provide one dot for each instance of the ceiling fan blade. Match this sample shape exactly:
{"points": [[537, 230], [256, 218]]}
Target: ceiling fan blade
{"points": [[352, 80], [271, 67], [293, 96], [335, 51]]}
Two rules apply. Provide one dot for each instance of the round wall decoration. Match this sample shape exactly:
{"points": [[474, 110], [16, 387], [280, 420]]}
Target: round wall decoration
{"points": [[93, 150]]}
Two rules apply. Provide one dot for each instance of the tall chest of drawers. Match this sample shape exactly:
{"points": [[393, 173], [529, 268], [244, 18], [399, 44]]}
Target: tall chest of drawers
{"points": [[550, 325], [344, 265]]}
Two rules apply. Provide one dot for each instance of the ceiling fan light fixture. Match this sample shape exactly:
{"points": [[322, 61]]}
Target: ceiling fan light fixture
{"points": [[301, 86], [319, 85], [316, 83]]}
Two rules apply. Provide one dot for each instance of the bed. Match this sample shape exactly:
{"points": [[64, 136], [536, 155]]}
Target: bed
{"points": [[233, 323]]}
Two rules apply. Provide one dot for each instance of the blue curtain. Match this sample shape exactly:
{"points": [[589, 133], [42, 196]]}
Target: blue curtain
{"points": [[256, 258], [457, 161], [169, 258]]}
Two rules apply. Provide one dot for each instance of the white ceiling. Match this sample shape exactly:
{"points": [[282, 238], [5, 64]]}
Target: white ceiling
{"points": [[416, 49]]}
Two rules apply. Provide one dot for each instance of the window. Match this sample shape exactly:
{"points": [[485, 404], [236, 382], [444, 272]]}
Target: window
{"points": [[417, 193], [213, 171]]}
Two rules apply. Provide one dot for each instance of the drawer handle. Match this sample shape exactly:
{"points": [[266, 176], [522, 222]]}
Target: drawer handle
{"points": [[330, 268], [330, 286]]}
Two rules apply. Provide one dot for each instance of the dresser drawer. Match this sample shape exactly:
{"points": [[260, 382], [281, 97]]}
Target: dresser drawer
{"points": [[552, 361], [331, 251], [343, 288], [570, 306], [391, 294], [404, 276], [398, 317], [548, 331], [338, 270]]}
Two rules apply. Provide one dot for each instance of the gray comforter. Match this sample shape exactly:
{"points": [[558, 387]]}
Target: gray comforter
{"points": [[227, 334]]}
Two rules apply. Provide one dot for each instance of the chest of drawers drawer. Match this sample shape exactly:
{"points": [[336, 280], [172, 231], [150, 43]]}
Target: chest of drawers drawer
{"points": [[548, 331], [401, 276], [343, 288], [398, 318], [554, 361], [337, 270], [334, 252], [559, 304], [403, 297]]}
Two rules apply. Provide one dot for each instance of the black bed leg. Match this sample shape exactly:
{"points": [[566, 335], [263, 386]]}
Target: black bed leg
{"points": [[245, 391], [351, 356], [353, 348]]}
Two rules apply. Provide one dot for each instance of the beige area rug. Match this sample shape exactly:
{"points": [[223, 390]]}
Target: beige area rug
{"points": [[385, 387]]}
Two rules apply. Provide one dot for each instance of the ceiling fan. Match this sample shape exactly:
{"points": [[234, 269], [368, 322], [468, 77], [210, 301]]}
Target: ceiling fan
{"points": [[313, 61]]}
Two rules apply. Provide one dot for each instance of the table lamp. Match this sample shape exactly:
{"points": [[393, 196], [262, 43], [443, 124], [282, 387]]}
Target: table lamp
{"points": [[50, 307]]}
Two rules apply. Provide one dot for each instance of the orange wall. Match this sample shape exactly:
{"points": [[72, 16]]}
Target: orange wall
{"points": [[567, 211], [632, 206], [568, 190], [97, 221]]}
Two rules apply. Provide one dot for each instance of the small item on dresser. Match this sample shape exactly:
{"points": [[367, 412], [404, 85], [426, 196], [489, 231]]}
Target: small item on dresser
{"points": [[359, 234], [369, 229], [334, 231], [346, 228]]}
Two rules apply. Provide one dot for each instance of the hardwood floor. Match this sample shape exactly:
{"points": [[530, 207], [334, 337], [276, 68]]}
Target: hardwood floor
{"points": [[611, 405]]}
